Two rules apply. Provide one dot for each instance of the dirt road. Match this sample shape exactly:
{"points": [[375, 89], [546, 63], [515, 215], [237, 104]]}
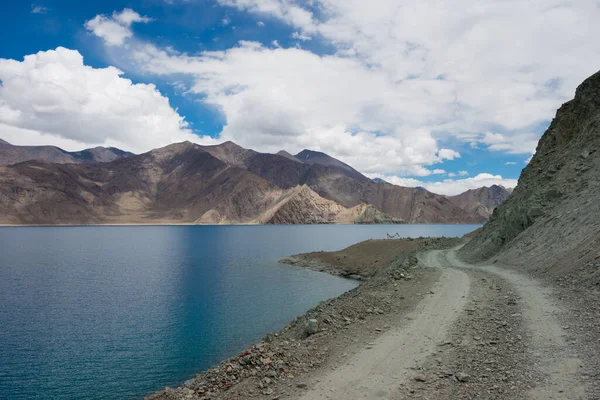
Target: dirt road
{"points": [[376, 371], [509, 340]]}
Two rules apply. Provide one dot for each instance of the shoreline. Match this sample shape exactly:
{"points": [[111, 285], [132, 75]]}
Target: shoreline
{"points": [[193, 224], [284, 361]]}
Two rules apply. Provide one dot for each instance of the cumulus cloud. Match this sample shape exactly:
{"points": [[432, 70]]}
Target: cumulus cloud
{"points": [[115, 29], [52, 97], [492, 63], [276, 98], [451, 187], [404, 77]]}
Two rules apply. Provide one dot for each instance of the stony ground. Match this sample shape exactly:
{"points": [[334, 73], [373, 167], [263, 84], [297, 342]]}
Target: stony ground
{"points": [[282, 363], [425, 326]]}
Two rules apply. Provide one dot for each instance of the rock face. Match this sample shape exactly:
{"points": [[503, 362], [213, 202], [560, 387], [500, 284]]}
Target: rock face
{"points": [[551, 221], [481, 201], [11, 154]]}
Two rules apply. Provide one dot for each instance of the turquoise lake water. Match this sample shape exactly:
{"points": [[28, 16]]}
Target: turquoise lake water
{"points": [[120, 312]]}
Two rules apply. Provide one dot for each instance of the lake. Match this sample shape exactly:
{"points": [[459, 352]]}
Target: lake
{"points": [[121, 312]]}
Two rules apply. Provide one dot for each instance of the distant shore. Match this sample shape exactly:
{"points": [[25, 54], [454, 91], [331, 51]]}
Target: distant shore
{"points": [[193, 224]]}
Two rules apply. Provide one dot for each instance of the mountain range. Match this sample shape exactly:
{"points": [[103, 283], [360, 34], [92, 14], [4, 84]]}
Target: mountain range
{"points": [[10, 154], [221, 184]]}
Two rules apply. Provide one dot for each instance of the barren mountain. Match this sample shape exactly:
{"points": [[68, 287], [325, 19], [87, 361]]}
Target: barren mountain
{"points": [[481, 201], [333, 180], [551, 221], [180, 183], [287, 155], [311, 157], [188, 183], [230, 153], [11, 154], [301, 205]]}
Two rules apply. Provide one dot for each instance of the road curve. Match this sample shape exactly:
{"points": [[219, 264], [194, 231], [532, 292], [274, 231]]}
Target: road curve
{"points": [[375, 373]]}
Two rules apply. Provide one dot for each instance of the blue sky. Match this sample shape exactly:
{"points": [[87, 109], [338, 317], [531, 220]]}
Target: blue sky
{"points": [[418, 93]]}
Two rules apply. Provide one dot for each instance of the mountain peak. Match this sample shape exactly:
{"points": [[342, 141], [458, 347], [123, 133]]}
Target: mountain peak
{"points": [[285, 154], [312, 157], [229, 152]]}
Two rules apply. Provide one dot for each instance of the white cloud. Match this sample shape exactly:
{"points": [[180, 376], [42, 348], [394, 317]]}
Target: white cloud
{"points": [[39, 9], [52, 97], [115, 29], [276, 98], [521, 144], [510, 163], [494, 62], [260, 23], [301, 36], [407, 83], [463, 173], [225, 21], [451, 187], [287, 11], [275, 43]]}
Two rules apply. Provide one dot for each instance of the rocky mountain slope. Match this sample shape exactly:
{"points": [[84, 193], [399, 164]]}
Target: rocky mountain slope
{"points": [[11, 154], [316, 157], [181, 183], [333, 180], [481, 201], [551, 222], [189, 183]]}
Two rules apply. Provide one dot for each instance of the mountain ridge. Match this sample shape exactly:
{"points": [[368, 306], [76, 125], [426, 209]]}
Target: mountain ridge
{"points": [[226, 183], [13, 154]]}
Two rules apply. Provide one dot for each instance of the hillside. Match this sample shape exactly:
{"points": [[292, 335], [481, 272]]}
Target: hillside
{"points": [[551, 222], [11, 154], [181, 183], [221, 184], [333, 180], [481, 201]]}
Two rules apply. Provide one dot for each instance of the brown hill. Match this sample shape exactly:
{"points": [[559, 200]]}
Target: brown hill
{"points": [[285, 154], [331, 180], [11, 154], [551, 221], [178, 183], [311, 157], [188, 183], [301, 205], [481, 201]]}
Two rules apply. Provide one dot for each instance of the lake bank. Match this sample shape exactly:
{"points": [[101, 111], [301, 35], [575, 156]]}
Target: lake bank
{"points": [[283, 362]]}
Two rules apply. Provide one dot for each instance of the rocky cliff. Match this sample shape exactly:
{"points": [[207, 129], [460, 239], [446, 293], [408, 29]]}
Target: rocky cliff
{"points": [[551, 222]]}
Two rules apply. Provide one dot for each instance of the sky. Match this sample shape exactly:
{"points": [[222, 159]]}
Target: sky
{"points": [[445, 95]]}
